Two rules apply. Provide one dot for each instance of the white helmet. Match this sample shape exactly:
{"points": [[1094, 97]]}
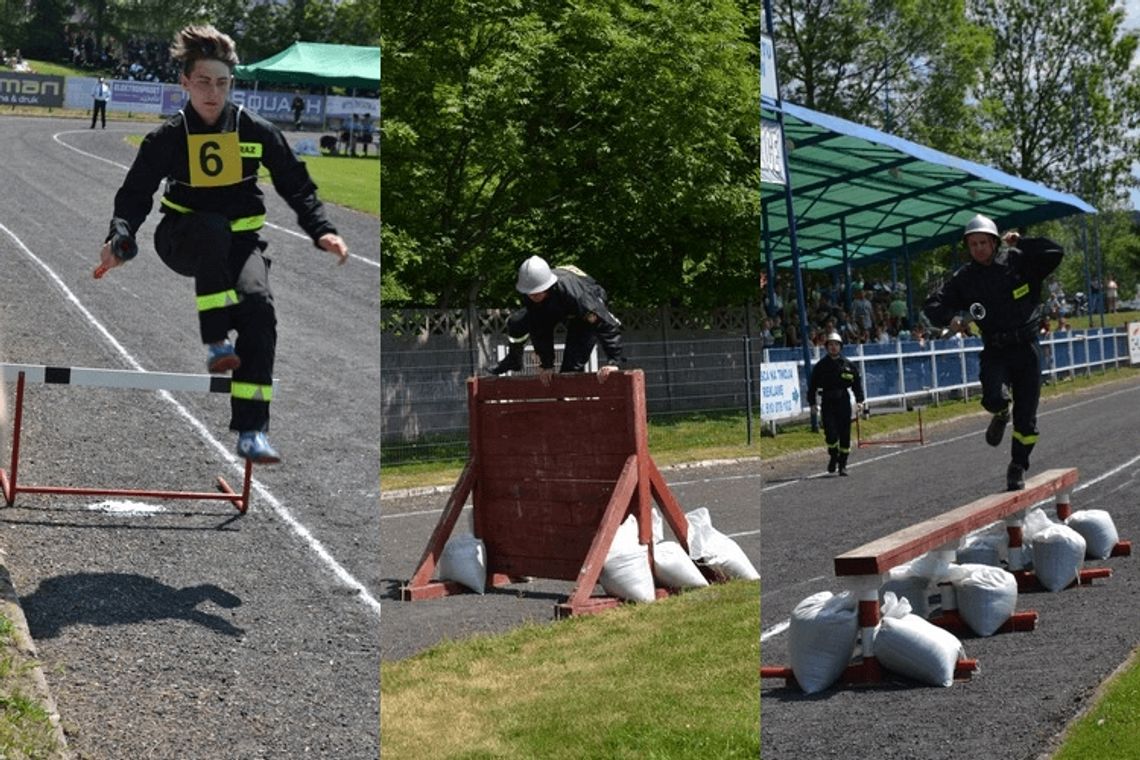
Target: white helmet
{"points": [[833, 336], [535, 276], [981, 224]]}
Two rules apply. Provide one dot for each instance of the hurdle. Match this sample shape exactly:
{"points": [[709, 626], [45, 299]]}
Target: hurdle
{"points": [[111, 378], [861, 442], [865, 566], [552, 472]]}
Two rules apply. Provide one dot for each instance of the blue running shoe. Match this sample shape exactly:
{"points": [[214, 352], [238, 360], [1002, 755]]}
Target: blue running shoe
{"points": [[220, 357], [254, 446]]}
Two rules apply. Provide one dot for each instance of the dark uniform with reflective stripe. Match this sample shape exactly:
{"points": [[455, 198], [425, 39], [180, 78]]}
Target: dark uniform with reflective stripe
{"points": [[212, 210], [832, 376], [1008, 292], [577, 300]]}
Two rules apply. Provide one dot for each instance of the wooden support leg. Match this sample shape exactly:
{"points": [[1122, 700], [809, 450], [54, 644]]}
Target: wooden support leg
{"points": [[421, 585]]}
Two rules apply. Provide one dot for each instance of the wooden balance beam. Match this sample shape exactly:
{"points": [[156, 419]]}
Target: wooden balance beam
{"points": [[866, 565], [112, 378], [552, 472]]}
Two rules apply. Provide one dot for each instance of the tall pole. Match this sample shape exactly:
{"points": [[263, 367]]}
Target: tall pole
{"points": [[790, 210]]}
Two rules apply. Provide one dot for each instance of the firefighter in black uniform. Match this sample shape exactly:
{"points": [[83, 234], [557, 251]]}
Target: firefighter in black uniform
{"points": [[208, 154], [555, 296], [832, 376], [1001, 293]]}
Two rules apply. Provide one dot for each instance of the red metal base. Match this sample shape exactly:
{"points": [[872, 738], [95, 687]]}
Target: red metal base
{"points": [[1018, 621], [1122, 549], [1027, 580], [11, 488], [868, 671], [438, 589]]}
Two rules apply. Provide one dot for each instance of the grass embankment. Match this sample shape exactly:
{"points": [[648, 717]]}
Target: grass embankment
{"points": [[26, 730], [677, 678]]}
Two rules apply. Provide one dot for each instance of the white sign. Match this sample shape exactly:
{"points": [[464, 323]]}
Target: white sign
{"points": [[767, 68], [780, 390], [1134, 342], [772, 153]]}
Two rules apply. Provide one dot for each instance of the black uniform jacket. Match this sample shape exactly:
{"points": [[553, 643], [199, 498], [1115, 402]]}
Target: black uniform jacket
{"points": [[164, 155], [834, 377], [576, 297], [1009, 291]]}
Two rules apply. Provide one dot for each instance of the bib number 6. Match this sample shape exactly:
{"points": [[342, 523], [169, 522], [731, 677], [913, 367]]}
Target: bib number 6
{"points": [[210, 159]]}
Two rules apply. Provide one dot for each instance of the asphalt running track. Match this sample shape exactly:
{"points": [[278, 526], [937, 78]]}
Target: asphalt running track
{"points": [[729, 492], [183, 632], [1031, 684]]}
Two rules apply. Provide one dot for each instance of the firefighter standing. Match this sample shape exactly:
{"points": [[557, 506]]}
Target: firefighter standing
{"points": [[556, 296], [1002, 293], [209, 154], [832, 376]]}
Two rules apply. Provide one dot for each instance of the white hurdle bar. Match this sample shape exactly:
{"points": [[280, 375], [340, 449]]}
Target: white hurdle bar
{"points": [[89, 377]]}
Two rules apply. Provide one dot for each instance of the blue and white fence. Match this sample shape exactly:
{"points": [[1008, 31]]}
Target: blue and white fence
{"points": [[895, 373]]}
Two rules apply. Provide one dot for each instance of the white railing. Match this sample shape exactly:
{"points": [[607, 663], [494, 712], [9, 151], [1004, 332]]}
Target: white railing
{"points": [[899, 372]]}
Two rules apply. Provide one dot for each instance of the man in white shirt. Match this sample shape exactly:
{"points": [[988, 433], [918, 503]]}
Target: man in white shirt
{"points": [[101, 93]]}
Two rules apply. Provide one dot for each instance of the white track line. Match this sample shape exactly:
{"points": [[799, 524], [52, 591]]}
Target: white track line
{"points": [[238, 467], [294, 233]]}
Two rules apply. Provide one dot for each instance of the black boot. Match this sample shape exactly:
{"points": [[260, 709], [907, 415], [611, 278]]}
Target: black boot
{"points": [[1014, 477], [833, 460], [843, 464], [512, 362], [996, 428]]}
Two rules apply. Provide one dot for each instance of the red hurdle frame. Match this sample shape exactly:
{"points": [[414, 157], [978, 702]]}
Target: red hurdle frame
{"points": [[11, 487]]}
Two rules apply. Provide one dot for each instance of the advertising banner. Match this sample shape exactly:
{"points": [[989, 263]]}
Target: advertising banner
{"points": [[1134, 342], [31, 90], [128, 93], [779, 390], [767, 68], [771, 153]]}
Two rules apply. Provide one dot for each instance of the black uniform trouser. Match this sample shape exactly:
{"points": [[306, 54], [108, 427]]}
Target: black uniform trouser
{"points": [[1019, 367], [836, 414], [99, 109], [580, 339], [231, 282]]}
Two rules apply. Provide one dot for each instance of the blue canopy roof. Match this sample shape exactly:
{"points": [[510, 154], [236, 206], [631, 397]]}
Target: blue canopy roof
{"points": [[884, 194]]}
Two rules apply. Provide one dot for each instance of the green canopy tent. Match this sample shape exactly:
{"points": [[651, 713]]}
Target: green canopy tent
{"points": [[318, 63]]}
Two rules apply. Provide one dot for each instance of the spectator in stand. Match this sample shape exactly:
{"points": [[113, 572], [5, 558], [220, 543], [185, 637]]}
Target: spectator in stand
{"points": [[862, 311]]}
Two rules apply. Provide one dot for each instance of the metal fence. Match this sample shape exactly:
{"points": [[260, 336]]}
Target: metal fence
{"points": [[903, 371], [425, 397]]}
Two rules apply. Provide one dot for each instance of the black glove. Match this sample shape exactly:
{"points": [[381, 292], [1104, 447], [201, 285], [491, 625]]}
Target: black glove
{"points": [[123, 243]]}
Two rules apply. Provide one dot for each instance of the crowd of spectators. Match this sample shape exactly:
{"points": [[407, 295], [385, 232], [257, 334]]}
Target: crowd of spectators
{"points": [[878, 314], [135, 59]]}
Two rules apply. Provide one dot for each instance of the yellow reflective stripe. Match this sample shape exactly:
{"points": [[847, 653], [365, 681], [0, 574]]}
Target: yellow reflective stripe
{"points": [[251, 391], [241, 224], [1027, 439], [250, 150], [180, 209], [1021, 291], [522, 339], [221, 300], [248, 223]]}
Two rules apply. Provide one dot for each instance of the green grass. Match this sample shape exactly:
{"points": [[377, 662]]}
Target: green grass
{"points": [[26, 730], [678, 678], [1111, 729]]}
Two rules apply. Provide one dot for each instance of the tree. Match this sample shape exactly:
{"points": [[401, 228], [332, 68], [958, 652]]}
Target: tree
{"points": [[618, 136], [901, 65]]}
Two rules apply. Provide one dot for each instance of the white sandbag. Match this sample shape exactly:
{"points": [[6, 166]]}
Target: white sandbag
{"points": [[1058, 555], [916, 648], [821, 639], [913, 588], [987, 596], [1035, 522], [658, 526], [626, 573], [982, 549], [673, 567], [715, 549], [464, 560], [1097, 529]]}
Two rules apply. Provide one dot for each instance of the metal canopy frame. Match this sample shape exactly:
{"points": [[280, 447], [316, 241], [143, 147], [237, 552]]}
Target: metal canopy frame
{"points": [[861, 194]]}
